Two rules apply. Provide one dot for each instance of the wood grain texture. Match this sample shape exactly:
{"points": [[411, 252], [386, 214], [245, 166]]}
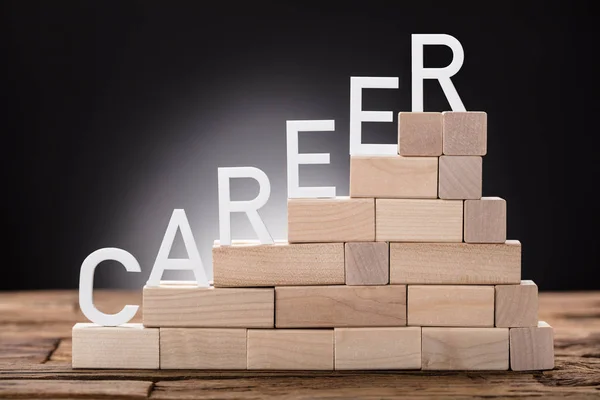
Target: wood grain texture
{"points": [[377, 348], [60, 389], [517, 305], [202, 348], [485, 220], [253, 264], [460, 177], [367, 263], [125, 346], [420, 133], [465, 348], [187, 305], [393, 177], [464, 133], [340, 306], [290, 349], [455, 263], [573, 316], [413, 220], [15, 350], [340, 219], [467, 306], [532, 348]]}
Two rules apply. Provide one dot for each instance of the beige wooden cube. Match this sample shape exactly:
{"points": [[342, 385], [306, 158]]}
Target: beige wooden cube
{"points": [[464, 133], [485, 220], [517, 305], [449, 305], [394, 177], [532, 348], [338, 219], [419, 220], [128, 346], [420, 133], [290, 349], [367, 263], [202, 348], [460, 177], [248, 264], [377, 348], [447, 349]]}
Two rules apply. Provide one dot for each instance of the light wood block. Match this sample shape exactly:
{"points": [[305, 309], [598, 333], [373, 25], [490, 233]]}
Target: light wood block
{"points": [[420, 133], [461, 177], [290, 349], [412, 220], [187, 305], [340, 306], [532, 348], [393, 177], [340, 219], [465, 349], [485, 220], [377, 348], [202, 348], [367, 263], [434, 305], [455, 263], [464, 133], [129, 346], [252, 264], [517, 305]]}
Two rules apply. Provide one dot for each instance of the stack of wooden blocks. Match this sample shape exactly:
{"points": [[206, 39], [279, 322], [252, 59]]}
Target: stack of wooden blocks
{"points": [[412, 271]]}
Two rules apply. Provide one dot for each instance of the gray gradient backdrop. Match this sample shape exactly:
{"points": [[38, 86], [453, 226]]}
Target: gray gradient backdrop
{"points": [[119, 114]]}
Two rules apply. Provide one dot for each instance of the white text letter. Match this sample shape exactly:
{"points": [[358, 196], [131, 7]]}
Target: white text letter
{"points": [[86, 286], [441, 74], [163, 262], [357, 115], [250, 207], [294, 158]]}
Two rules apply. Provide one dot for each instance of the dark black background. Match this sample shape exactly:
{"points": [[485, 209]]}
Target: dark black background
{"points": [[94, 92]]}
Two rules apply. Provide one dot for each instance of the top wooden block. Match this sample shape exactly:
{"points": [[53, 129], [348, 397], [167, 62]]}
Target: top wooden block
{"points": [[464, 133], [393, 177], [420, 134], [339, 219]]}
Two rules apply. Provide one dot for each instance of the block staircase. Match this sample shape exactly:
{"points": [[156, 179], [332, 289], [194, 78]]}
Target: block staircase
{"points": [[411, 271]]}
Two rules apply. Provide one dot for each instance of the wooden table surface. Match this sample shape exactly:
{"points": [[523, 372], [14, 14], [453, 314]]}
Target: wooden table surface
{"points": [[35, 361]]}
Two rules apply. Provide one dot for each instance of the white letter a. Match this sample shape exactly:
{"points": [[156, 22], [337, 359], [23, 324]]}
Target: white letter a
{"points": [[163, 262]]}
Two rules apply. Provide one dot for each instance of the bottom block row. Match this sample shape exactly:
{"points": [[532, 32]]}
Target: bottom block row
{"points": [[131, 346]]}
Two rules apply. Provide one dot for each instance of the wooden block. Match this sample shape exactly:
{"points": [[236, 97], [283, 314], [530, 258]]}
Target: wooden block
{"points": [[485, 220], [253, 264], [377, 348], [455, 263], [434, 305], [129, 346], [420, 133], [339, 219], [367, 263], [412, 220], [461, 177], [465, 349], [187, 305], [290, 349], [464, 133], [340, 306], [532, 348], [393, 176], [517, 305], [202, 348]]}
